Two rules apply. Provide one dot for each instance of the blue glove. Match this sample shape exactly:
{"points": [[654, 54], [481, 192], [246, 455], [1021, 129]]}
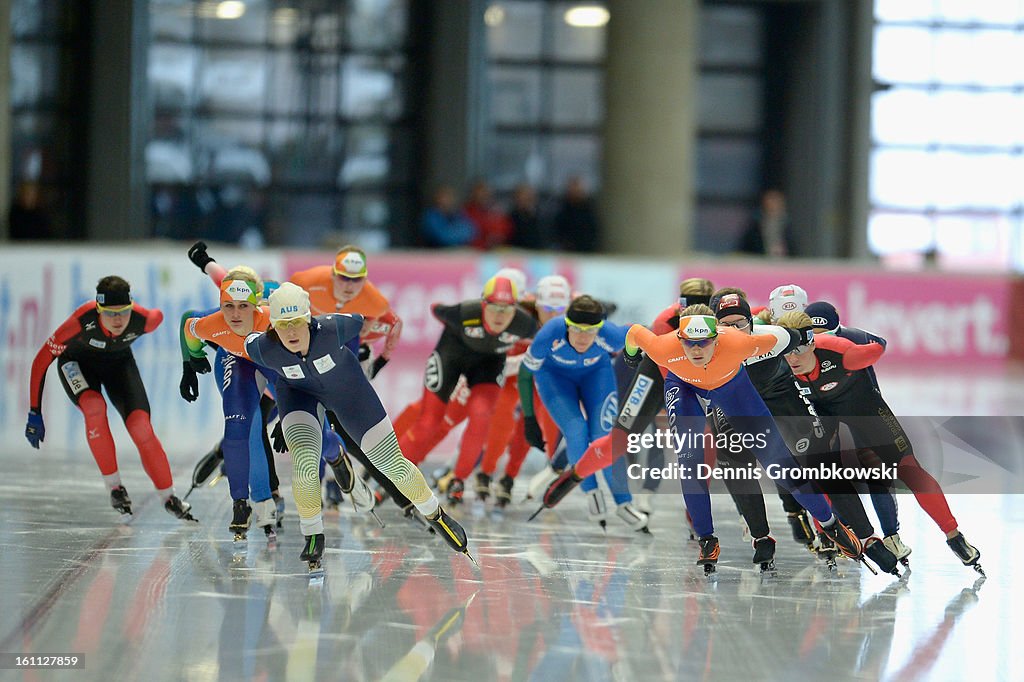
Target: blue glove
{"points": [[35, 431]]}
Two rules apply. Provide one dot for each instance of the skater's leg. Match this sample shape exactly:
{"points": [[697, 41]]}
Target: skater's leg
{"points": [[600, 401], [480, 408], [154, 460], [749, 415], [123, 384], [85, 394], [686, 417], [267, 405], [502, 427], [259, 471], [238, 397], [303, 436], [561, 397], [443, 370], [353, 449], [362, 416], [97, 429], [518, 448]]}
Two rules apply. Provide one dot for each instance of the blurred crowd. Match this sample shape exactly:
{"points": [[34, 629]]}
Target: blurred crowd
{"points": [[482, 222]]}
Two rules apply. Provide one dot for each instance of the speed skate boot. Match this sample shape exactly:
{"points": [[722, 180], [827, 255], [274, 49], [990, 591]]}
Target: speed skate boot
{"points": [[876, 550], [456, 488], [279, 503], [764, 554], [441, 478], [352, 485], [503, 495], [205, 468], [634, 518], [179, 509], [802, 531], [483, 486], [355, 487], [845, 541], [266, 516], [564, 484], [450, 531], [708, 557], [896, 546], [966, 552], [827, 551], [597, 509], [540, 481], [121, 503], [312, 554], [241, 517]]}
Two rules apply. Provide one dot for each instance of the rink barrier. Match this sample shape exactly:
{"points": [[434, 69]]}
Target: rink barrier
{"points": [[928, 317]]}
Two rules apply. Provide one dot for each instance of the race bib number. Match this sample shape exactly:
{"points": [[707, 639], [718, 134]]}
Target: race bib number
{"points": [[293, 372], [73, 375]]}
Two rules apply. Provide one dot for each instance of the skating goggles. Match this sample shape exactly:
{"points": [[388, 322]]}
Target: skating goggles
{"points": [[292, 323], [698, 343], [741, 324], [584, 328], [800, 350], [555, 309], [500, 308], [346, 278], [115, 310]]}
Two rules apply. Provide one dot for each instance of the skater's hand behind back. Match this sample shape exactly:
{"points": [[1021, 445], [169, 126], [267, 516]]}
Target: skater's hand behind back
{"points": [[189, 386], [277, 438], [534, 436], [35, 430]]}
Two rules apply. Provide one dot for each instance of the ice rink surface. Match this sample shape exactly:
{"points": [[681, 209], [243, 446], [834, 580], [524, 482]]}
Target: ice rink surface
{"points": [[555, 599]]}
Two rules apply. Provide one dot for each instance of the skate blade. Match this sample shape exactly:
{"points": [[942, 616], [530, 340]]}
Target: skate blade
{"points": [[536, 513], [979, 569], [869, 566], [376, 518], [466, 552]]}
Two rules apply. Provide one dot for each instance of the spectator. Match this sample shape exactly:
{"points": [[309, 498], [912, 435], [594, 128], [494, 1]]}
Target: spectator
{"points": [[27, 218], [526, 232], [770, 232], [444, 224], [493, 228], [575, 225]]}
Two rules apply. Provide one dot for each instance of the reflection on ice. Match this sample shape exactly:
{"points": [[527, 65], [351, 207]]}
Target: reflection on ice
{"points": [[551, 600]]}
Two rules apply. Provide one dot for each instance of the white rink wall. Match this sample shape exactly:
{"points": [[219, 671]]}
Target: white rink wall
{"points": [[938, 318]]}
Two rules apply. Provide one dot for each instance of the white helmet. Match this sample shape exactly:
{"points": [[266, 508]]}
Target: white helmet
{"points": [[516, 276], [288, 302], [786, 299], [554, 291]]}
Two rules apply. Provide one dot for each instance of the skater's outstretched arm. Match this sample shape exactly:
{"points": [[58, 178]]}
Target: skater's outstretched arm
{"points": [[197, 254]]}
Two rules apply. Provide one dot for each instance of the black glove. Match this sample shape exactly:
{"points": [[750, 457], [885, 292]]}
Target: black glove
{"points": [[633, 361], [534, 436], [806, 335], [277, 438], [189, 386], [197, 254], [364, 353], [199, 365], [377, 366]]}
